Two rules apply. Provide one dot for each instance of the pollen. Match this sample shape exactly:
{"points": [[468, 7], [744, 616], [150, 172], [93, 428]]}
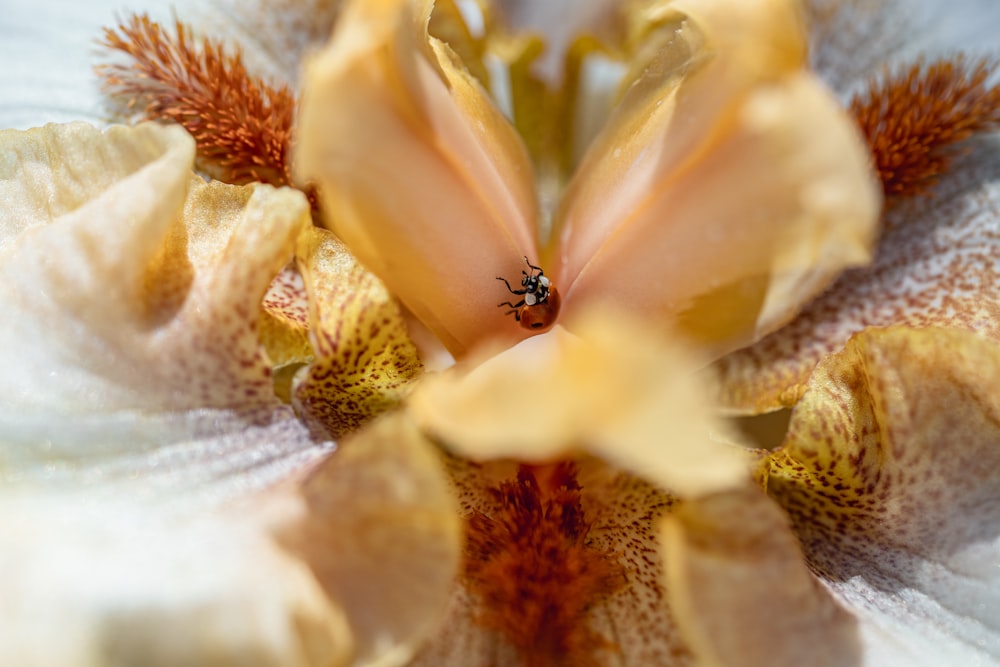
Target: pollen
{"points": [[915, 117], [242, 126], [534, 572]]}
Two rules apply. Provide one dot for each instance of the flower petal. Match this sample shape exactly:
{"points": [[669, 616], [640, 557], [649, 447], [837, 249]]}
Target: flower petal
{"points": [[891, 474], [47, 47], [422, 178], [364, 357], [741, 591], [273, 36], [938, 264], [851, 40], [636, 405], [382, 535], [729, 188], [118, 583]]}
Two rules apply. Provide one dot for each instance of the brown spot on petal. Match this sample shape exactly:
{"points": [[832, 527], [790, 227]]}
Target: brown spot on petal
{"points": [[242, 125], [913, 117], [534, 570]]}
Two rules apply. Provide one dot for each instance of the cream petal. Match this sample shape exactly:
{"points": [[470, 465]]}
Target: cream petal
{"points": [[94, 583], [938, 264], [890, 474], [273, 37], [741, 591], [422, 178], [615, 392], [364, 357], [48, 48], [851, 40], [729, 188]]}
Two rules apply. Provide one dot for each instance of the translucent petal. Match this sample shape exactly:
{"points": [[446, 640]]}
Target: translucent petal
{"points": [[422, 178], [616, 392], [385, 498], [938, 264], [741, 591], [728, 189], [364, 357], [891, 475]]}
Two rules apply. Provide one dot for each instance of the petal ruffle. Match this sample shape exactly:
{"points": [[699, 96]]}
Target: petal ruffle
{"points": [[419, 174], [891, 474], [938, 264], [364, 357], [728, 189]]}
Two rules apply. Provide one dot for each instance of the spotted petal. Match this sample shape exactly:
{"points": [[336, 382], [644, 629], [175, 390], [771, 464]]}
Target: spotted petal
{"points": [[938, 264], [423, 179], [729, 187], [891, 475]]}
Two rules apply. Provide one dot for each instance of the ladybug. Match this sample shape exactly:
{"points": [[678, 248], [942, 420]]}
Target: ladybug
{"points": [[539, 308]]}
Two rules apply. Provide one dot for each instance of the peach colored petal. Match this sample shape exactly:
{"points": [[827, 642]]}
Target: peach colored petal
{"points": [[741, 591], [422, 178], [891, 474], [728, 189], [616, 392], [383, 495], [938, 264], [364, 357]]}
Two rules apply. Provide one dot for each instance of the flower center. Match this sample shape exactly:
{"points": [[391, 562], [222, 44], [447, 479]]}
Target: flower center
{"points": [[534, 571]]}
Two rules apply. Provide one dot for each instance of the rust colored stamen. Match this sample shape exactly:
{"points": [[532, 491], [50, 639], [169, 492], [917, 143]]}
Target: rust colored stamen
{"points": [[242, 126], [914, 117], [535, 572]]}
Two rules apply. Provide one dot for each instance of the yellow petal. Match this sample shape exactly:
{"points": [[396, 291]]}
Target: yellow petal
{"points": [[728, 189], [616, 392], [890, 474], [364, 357], [936, 266], [382, 534], [284, 328], [740, 589], [422, 178]]}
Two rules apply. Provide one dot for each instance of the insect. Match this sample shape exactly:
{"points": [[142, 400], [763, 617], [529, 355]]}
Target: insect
{"points": [[539, 307]]}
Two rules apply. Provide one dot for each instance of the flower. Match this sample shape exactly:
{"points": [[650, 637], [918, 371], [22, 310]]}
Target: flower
{"points": [[581, 466]]}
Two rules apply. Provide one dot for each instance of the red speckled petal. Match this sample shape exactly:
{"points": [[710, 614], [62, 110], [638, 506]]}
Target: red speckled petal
{"points": [[364, 356], [891, 476], [938, 264]]}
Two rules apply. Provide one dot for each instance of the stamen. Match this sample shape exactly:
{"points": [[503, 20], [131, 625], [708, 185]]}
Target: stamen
{"points": [[534, 572], [914, 118], [242, 126]]}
